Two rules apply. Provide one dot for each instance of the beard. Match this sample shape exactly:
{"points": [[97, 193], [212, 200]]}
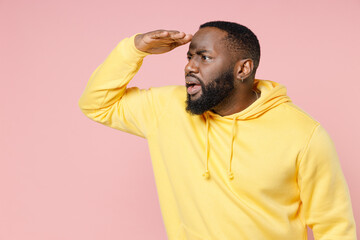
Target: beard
{"points": [[212, 94]]}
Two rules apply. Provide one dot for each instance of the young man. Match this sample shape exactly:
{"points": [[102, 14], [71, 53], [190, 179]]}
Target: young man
{"points": [[233, 157]]}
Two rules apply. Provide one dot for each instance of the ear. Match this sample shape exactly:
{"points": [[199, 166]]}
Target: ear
{"points": [[244, 68]]}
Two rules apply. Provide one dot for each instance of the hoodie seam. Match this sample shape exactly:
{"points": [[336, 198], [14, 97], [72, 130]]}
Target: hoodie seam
{"points": [[301, 157], [306, 148]]}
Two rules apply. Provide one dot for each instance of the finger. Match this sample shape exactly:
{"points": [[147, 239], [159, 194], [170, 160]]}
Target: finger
{"points": [[168, 35], [159, 34], [177, 35], [185, 39], [188, 38], [171, 38], [177, 39], [181, 42]]}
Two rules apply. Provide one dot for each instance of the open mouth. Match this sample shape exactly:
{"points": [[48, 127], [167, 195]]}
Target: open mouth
{"points": [[192, 84], [192, 88]]}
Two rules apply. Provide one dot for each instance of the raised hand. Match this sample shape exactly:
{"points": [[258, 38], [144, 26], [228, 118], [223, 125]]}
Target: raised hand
{"points": [[161, 41]]}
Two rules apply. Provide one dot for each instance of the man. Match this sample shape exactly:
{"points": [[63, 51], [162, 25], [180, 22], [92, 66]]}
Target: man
{"points": [[233, 157]]}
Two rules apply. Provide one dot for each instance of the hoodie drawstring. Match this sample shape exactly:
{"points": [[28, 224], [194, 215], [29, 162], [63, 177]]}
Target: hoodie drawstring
{"points": [[206, 174], [272, 95], [231, 174]]}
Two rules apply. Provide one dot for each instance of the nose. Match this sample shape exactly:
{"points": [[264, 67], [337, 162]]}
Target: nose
{"points": [[192, 66]]}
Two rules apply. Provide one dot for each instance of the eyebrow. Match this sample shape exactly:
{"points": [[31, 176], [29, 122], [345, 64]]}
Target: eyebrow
{"points": [[200, 52]]}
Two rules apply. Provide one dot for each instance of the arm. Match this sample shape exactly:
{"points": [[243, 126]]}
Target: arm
{"points": [[323, 190], [106, 98]]}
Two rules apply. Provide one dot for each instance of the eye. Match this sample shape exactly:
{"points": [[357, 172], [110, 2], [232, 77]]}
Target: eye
{"points": [[205, 58], [188, 57]]}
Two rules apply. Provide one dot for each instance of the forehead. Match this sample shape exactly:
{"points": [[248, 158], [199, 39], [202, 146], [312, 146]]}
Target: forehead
{"points": [[208, 38]]}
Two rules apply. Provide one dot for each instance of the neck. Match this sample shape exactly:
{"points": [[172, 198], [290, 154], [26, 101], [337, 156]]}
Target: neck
{"points": [[236, 102]]}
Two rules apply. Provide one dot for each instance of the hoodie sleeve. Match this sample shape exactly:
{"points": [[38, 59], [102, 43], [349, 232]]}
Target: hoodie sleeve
{"points": [[323, 190], [107, 100]]}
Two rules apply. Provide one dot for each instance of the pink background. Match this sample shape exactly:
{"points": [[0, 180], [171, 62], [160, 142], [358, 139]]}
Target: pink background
{"points": [[64, 177]]}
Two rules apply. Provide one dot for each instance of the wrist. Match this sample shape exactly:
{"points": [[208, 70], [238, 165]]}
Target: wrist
{"points": [[135, 46], [138, 42]]}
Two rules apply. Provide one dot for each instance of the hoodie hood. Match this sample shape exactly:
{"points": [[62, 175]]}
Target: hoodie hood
{"points": [[271, 93]]}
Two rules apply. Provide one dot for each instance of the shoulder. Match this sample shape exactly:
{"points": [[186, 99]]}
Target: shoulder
{"points": [[297, 115], [315, 139], [290, 120]]}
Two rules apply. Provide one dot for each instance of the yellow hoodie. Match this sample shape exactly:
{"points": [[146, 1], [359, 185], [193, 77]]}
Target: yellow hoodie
{"points": [[263, 173]]}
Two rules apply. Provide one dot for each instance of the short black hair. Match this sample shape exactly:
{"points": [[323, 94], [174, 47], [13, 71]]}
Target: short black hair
{"points": [[240, 40]]}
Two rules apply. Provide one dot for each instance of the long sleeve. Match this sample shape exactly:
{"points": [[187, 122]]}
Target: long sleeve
{"points": [[106, 98], [323, 190]]}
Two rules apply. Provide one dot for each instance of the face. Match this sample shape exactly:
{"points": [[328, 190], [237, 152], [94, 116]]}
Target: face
{"points": [[209, 74]]}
